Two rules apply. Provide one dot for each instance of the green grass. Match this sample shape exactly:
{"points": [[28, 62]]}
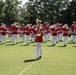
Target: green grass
{"points": [[58, 61]]}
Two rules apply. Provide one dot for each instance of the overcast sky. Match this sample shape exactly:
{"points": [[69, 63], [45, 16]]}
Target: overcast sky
{"points": [[24, 1]]}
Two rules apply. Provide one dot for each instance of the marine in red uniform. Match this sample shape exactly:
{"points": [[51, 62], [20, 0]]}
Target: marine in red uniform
{"points": [[60, 32], [15, 34], [34, 29], [22, 32], [4, 32], [39, 41], [11, 32], [0, 33], [73, 31], [59, 36], [54, 34], [46, 31], [65, 31], [28, 33]]}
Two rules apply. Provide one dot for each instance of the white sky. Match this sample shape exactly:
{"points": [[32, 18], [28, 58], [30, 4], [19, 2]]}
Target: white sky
{"points": [[23, 1]]}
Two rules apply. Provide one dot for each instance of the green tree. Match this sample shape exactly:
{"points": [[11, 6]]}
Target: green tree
{"points": [[46, 10], [11, 11], [2, 14]]}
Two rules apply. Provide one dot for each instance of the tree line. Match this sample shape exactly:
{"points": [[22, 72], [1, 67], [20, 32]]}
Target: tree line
{"points": [[52, 11]]}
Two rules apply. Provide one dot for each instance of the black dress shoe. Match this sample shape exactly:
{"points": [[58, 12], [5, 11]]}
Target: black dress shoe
{"points": [[28, 44], [53, 45], [40, 57], [60, 40], [56, 42], [3, 43], [65, 45], [73, 42], [37, 59]]}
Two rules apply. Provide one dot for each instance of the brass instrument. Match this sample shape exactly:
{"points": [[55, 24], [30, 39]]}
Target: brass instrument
{"points": [[37, 20], [39, 30]]}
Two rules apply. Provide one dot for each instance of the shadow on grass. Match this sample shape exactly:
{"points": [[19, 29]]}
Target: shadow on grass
{"points": [[31, 42], [20, 42], [71, 43], [30, 60], [1, 44], [9, 44], [33, 45], [61, 46], [73, 46], [24, 45], [49, 46]]}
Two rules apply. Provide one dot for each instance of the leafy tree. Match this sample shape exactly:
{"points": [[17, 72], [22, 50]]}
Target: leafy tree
{"points": [[2, 14], [11, 11], [46, 10], [53, 11]]}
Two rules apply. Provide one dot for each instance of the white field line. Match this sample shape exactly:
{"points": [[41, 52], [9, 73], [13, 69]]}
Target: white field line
{"points": [[33, 63]]}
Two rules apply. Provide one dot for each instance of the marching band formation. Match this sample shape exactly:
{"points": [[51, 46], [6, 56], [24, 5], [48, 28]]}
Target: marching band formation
{"points": [[38, 33]]}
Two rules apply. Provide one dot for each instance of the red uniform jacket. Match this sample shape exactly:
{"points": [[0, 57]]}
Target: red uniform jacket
{"points": [[28, 31], [46, 29], [22, 29], [15, 30], [4, 29], [0, 29], [65, 31], [39, 38], [11, 29], [54, 31], [73, 27], [34, 31], [59, 29]]}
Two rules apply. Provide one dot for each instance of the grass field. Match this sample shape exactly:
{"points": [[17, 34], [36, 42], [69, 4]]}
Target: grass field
{"points": [[20, 59]]}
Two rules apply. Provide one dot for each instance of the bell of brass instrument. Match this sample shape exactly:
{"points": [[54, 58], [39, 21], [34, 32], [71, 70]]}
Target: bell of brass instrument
{"points": [[37, 20]]}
